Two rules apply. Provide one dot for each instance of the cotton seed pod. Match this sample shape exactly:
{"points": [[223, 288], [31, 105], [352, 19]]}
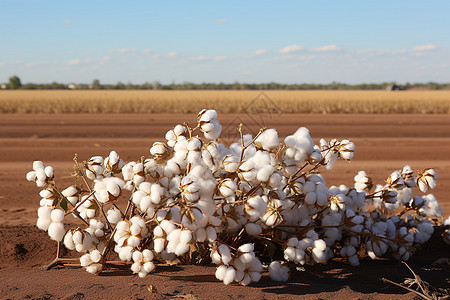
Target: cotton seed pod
{"points": [[230, 163], [94, 167], [346, 149], [38, 165], [159, 150], [212, 130], [31, 176], [268, 140], [49, 172], [225, 254], [113, 163], [227, 188], [253, 229], [229, 275], [426, 180], [190, 191], [114, 215], [363, 182], [395, 181], [57, 215], [205, 116], [408, 176], [278, 271], [72, 194], [56, 231]]}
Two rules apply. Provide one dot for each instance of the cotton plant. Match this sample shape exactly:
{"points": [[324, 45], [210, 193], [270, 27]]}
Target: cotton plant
{"points": [[259, 204]]}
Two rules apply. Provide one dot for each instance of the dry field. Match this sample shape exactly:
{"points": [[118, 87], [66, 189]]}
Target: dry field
{"points": [[108, 101], [384, 143]]}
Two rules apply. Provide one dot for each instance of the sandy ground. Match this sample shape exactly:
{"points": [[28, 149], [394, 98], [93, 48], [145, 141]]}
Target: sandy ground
{"points": [[384, 143]]}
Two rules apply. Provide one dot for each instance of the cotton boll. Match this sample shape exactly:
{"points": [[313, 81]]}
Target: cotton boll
{"points": [[253, 229], [309, 187], [268, 139], [319, 256], [85, 260], [264, 173], [255, 276], [95, 256], [181, 249], [289, 254], [213, 133], [247, 258], [37, 165], [158, 245], [426, 180], [49, 171], [227, 188], [56, 231], [40, 175], [185, 236], [149, 266], [354, 260], [230, 163], [221, 272], [310, 198], [125, 253], [246, 248], [45, 212], [229, 276], [200, 235], [225, 254], [31, 176], [57, 215], [278, 272], [43, 223], [211, 233]]}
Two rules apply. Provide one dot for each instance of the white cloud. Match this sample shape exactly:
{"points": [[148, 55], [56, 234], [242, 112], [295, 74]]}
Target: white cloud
{"points": [[172, 54], [148, 51], [122, 50], [68, 22], [261, 52], [219, 58], [325, 48], [74, 62], [220, 21], [291, 48], [199, 58], [425, 47]]}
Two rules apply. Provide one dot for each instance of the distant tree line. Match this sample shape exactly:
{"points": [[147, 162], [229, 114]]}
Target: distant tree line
{"points": [[15, 83]]}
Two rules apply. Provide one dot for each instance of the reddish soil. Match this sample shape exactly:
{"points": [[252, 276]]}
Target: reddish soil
{"points": [[384, 143]]}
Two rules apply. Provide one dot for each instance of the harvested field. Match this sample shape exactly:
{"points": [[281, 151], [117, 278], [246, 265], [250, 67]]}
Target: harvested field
{"points": [[384, 143], [148, 101]]}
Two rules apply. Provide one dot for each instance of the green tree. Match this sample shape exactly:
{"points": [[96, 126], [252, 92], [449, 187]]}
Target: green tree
{"points": [[14, 82], [96, 84]]}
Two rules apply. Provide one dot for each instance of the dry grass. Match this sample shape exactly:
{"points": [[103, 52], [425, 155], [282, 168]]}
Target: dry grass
{"points": [[224, 101]]}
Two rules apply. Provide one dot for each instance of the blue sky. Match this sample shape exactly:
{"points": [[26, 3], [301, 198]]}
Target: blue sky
{"points": [[225, 41]]}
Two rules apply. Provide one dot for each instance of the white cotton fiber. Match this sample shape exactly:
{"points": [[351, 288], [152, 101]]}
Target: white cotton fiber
{"points": [[278, 272], [56, 231], [43, 223], [229, 276], [38, 165], [268, 139], [57, 215], [220, 272], [49, 171], [31, 176], [253, 229]]}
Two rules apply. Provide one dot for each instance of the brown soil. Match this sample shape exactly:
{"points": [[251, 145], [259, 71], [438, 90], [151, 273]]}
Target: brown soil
{"points": [[384, 143]]}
